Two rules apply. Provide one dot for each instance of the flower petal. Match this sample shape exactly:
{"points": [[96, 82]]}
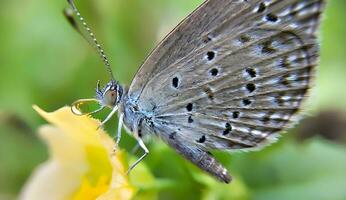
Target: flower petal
{"points": [[82, 163]]}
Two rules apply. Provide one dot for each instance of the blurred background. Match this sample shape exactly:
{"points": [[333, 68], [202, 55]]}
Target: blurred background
{"points": [[44, 61]]}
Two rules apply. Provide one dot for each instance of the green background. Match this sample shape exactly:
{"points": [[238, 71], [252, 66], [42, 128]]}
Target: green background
{"points": [[44, 61]]}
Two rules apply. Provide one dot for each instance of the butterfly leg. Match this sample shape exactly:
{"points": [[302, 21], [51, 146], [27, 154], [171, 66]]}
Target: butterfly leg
{"points": [[146, 152], [120, 125], [135, 149], [110, 115]]}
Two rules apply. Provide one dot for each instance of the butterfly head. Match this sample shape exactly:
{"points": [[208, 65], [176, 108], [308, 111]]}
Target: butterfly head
{"points": [[110, 95]]}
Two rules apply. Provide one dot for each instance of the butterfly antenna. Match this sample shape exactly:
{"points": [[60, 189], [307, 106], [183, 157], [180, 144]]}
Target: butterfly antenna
{"points": [[92, 36]]}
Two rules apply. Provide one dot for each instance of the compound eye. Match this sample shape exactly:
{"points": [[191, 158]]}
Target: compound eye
{"points": [[110, 97]]}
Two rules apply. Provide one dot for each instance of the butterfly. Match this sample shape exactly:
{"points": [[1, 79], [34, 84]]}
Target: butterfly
{"points": [[231, 76]]}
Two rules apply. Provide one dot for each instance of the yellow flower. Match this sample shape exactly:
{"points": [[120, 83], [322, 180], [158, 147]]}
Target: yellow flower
{"points": [[82, 164]]}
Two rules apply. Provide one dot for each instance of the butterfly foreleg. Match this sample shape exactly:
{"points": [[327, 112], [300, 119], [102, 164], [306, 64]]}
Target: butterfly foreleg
{"points": [[110, 115], [120, 125], [118, 136]]}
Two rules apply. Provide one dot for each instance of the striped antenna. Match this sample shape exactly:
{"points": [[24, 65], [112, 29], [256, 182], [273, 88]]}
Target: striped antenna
{"points": [[93, 38]]}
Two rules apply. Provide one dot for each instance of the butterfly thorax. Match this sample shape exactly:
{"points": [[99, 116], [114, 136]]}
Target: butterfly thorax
{"points": [[136, 120]]}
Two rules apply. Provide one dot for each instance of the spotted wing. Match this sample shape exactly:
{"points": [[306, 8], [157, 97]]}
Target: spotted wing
{"points": [[233, 74]]}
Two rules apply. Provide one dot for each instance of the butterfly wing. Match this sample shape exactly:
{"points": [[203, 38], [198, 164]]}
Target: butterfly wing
{"points": [[187, 37], [231, 75]]}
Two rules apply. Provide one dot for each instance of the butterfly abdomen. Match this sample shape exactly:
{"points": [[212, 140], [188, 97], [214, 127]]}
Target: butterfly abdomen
{"points": [[199, 157]]}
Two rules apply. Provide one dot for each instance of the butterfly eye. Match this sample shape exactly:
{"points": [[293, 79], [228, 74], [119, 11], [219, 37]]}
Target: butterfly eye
{"points": [[110, 97]]}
